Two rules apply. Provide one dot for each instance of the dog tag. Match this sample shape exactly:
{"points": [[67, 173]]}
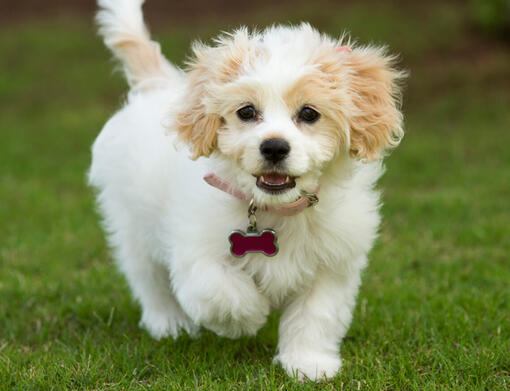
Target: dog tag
{"points": [[264, 242], [253, 241]]}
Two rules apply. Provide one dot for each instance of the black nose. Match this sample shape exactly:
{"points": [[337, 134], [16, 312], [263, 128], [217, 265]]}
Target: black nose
{"points": [[275, 149]]}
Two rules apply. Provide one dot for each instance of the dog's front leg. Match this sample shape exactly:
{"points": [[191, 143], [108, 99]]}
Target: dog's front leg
{"points": [[314, 323], [220, 296]]}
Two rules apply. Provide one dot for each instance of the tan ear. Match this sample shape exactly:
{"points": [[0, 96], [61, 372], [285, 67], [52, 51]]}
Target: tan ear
{"points": [[194, 125], [376, 124], [211, 67]]}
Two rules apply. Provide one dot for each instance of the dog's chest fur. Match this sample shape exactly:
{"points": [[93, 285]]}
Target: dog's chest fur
{"points": [[311, 240], [292, 269]]}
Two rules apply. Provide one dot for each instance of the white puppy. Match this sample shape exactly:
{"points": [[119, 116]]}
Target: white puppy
{"points": [[276, 116]]}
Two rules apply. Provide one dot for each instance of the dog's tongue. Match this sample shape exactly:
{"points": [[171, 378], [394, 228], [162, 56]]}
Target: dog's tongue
{"points": [[274, 179]]}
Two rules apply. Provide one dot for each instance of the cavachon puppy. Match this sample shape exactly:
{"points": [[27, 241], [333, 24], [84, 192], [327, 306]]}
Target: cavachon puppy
{"points": [[245, 183]]}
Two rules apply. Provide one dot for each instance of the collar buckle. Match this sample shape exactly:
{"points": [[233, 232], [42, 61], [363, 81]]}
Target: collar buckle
{"points": [[313, 199]]}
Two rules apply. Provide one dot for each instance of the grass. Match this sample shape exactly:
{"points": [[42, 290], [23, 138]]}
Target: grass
{"points": [[434, 309]]}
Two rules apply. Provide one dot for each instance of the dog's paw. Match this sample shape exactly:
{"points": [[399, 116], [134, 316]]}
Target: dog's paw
{"points": [[230, 309], [310, 365], [240, 321], [162, 324], [237, 317]]}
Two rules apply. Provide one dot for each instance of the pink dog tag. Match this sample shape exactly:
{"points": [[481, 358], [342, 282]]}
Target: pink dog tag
{"points": [[264, 242], [253, 241]]}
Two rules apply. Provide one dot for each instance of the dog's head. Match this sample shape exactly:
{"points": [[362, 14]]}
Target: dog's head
{"points": [[279, 106]]}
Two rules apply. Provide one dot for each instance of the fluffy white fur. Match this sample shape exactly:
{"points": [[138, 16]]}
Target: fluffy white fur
{"points": [[169, 229]]}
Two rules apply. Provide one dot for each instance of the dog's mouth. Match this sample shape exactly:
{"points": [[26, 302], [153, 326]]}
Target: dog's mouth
{"points": [[275, 183]]}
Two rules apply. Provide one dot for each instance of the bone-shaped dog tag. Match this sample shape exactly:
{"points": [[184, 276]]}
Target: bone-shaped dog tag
{"points": [[264, 242], [253, 241]]}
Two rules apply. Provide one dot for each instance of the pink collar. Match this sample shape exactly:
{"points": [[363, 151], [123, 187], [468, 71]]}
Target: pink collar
{"points": [[285, 210], [343, 49]]}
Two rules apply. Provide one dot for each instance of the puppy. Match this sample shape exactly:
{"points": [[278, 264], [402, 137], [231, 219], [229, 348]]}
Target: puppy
{"points": [[274, 121]]}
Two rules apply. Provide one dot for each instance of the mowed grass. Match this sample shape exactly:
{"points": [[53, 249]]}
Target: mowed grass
{"points": [[434, 309]]}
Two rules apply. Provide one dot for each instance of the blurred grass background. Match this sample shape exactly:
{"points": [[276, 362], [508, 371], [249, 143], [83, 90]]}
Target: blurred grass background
{"points": [[434, 309]]}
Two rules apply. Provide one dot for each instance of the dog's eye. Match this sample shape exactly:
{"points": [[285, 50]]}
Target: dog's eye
{"points": [[308, 114], [247, 113]]}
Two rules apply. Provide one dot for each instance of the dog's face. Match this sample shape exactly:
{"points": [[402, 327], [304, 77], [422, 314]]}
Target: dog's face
{"points": [[280, 106]]}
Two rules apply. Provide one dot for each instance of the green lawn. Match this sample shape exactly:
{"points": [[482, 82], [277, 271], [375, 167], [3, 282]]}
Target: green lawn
{"points": [[434, 309]]}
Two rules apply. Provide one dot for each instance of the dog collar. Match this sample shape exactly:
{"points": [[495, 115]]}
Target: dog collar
{"points": [[343, 49], [290, 209]]}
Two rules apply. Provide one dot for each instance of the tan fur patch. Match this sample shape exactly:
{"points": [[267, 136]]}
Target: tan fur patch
{"points": [[376, 124], [358, 91], [142, 59], [324, 89], [212, 66]]}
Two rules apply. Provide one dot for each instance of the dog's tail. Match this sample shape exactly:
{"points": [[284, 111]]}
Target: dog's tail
{"points": [[122, 27]]}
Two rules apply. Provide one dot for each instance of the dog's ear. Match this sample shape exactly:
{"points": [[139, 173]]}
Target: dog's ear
{"points": [[376, 121], [212, 66], [195, 126]]}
